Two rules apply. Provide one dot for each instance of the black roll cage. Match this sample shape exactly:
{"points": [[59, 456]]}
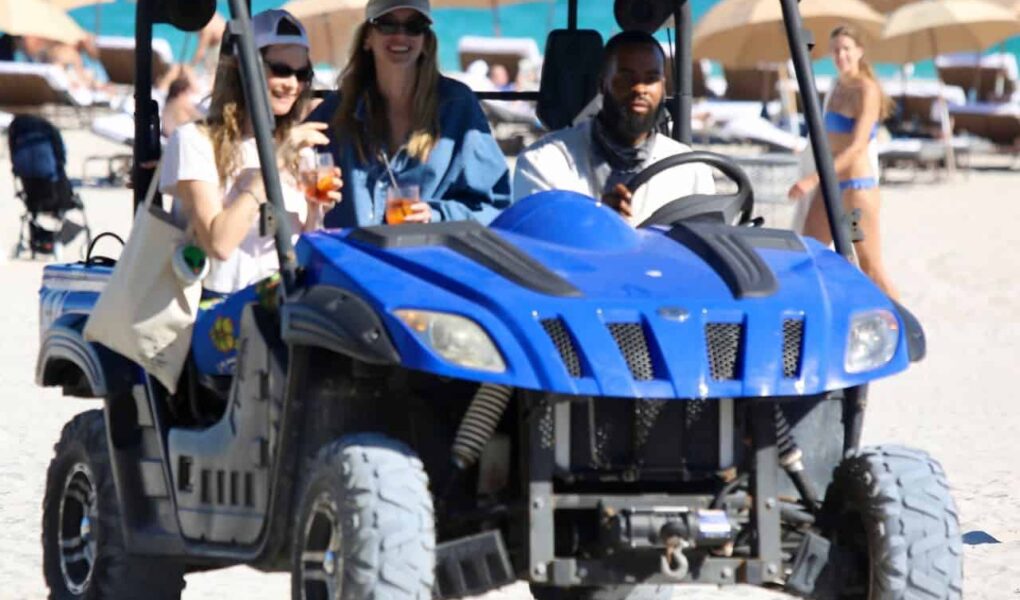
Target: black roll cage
{"points": [[239, 40]]}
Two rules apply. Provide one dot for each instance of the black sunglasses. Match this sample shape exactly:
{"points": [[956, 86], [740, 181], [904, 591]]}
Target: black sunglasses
{"points": [[393, 27], [285, 70]]}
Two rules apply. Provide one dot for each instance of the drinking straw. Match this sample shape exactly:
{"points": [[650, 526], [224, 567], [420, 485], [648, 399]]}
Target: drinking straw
{"points": [[389, 171]]}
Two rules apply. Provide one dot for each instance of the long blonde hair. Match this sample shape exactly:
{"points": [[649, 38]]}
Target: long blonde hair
{"points": [[358, 83], [228, 115], [885, 102]]}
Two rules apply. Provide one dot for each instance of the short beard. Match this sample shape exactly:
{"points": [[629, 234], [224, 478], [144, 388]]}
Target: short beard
{"points": [[624, 125]]}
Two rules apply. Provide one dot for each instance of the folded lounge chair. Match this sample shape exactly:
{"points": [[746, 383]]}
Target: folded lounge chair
{"points": [[986, 78], [117, 54]]}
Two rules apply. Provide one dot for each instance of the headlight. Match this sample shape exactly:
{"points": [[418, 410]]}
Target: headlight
{"points": [[872, 340], [457, 339]]}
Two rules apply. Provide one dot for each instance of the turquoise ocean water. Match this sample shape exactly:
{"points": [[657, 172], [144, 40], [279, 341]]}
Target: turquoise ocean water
{"points": [[532, 19]]}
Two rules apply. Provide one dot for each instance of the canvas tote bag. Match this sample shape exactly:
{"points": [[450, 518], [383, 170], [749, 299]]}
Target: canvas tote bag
{"points": [[145, 312]]}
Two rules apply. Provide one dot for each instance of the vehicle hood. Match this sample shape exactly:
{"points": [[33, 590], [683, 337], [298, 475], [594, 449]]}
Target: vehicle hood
{"points": [[578, 302]]}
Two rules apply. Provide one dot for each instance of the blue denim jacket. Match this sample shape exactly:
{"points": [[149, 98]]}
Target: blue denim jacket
{"points": [[465, 176]]}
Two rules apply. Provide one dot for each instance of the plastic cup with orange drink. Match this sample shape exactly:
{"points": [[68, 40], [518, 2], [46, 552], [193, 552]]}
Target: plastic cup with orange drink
{"points": [[316, 171], [399, 200]]}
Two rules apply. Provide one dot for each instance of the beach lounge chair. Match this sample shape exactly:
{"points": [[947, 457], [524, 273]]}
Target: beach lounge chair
{"points": [[703, 85], [117, 54], [508, 52], [758, 83], [999, 124], [37, 87], [985, 78]]}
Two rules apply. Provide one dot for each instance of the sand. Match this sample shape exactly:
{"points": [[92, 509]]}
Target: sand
{"points": [[948, 246]]}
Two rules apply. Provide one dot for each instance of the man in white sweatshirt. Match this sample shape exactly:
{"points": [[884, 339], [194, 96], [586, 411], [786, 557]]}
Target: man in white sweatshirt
{"points": [[597, 157]]}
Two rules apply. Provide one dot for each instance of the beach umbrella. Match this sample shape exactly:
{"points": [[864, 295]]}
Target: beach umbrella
{"points": [[39, 19], [743, 33], [330, 25], [888, 6], [72, 4], [923, 30]]}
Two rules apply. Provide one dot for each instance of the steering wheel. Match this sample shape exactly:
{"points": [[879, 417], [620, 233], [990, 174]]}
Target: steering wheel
{"points": [[724, 208]]}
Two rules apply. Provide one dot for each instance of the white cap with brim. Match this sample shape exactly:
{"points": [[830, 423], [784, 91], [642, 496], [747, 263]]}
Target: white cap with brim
{"points": [[377, 8], [278, 27]]}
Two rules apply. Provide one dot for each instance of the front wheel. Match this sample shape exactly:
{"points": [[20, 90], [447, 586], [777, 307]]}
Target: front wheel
{"points": [[895, 527], [83, 545], [366, 527]]}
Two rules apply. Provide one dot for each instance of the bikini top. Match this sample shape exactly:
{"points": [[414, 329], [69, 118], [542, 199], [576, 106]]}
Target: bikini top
{"points": [[839, 123]]}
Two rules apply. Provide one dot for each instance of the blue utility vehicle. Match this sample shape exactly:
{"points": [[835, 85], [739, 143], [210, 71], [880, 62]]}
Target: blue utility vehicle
{"points": [[560, 398]]}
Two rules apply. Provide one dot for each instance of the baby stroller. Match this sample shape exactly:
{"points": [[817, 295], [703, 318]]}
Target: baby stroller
{"points": [[38, 158]]}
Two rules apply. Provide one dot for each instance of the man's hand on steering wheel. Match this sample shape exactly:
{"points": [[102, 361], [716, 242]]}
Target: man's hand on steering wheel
{"points": [[619, 199], [735, 208]]}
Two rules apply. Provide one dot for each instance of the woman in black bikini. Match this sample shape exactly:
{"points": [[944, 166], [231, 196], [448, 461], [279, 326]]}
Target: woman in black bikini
{"points": [[856, 106]]}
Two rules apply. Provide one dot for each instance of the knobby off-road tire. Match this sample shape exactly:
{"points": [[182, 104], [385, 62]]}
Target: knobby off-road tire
{"points": [[83, 545], [365, 528], [911, 532], [618, 592]]}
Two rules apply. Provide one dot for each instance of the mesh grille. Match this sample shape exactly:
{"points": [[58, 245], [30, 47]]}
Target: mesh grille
{"points": [[630, 337], [725, 348], [557, 332], [793, 339]]}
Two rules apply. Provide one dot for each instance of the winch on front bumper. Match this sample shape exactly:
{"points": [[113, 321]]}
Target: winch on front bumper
{"points": [[625, 492]]}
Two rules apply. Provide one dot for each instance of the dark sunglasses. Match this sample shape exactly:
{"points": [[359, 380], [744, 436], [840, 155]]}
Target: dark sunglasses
{"points": [[393, 27], [285, 70]]}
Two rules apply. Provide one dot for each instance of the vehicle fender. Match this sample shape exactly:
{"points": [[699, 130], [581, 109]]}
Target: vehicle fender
{"points": [[67, 360], [917, 345], [337, 320]]}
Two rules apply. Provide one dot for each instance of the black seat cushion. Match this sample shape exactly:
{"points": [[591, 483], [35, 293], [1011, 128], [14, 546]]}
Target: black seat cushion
{"points": [[570, 74]]}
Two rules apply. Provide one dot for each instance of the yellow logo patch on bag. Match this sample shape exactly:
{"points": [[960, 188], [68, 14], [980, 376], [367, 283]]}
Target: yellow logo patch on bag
{"points": [[222, 334]]}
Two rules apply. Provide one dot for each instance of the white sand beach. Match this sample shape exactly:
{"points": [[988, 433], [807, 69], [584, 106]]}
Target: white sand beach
{"points": [[948, 247]]}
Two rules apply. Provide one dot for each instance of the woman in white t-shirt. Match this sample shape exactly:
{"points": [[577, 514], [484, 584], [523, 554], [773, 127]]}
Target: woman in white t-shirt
{"points": [[212, 167]]}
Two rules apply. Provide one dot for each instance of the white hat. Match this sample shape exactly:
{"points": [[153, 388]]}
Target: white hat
{"points": [[275, 26]]}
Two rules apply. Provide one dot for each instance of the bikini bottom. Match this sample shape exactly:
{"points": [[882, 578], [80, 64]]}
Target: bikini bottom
{"points": [[860, 183]]}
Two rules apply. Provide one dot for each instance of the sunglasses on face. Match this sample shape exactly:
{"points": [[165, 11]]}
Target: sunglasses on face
{"points": [[392, 26], [284, 70]]}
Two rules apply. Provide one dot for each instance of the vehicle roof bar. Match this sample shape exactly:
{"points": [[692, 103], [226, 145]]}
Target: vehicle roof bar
{"points": [[682, 71], [799, 51], [253, 82], [145, 146]]}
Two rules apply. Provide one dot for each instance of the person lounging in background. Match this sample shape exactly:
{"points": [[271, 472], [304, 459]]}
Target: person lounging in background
{"points": [[180, 107], [394, 107], [212, 167], [854, 110]]}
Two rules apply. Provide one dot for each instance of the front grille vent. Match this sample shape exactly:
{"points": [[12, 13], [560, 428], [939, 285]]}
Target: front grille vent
{"points": [[793, 341], [560, 338], [630, 337], [725, 343]]}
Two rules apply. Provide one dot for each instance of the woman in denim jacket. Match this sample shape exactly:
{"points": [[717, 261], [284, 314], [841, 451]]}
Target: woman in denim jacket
{"points": [[393, 105]]}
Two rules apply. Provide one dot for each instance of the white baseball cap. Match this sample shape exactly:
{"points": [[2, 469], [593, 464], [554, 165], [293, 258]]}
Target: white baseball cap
{"points": [[275, 26], [377, 8]]}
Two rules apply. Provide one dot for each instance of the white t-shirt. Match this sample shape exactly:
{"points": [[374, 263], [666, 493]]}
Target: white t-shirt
{"points": [[189, 157], [562, 160]]}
